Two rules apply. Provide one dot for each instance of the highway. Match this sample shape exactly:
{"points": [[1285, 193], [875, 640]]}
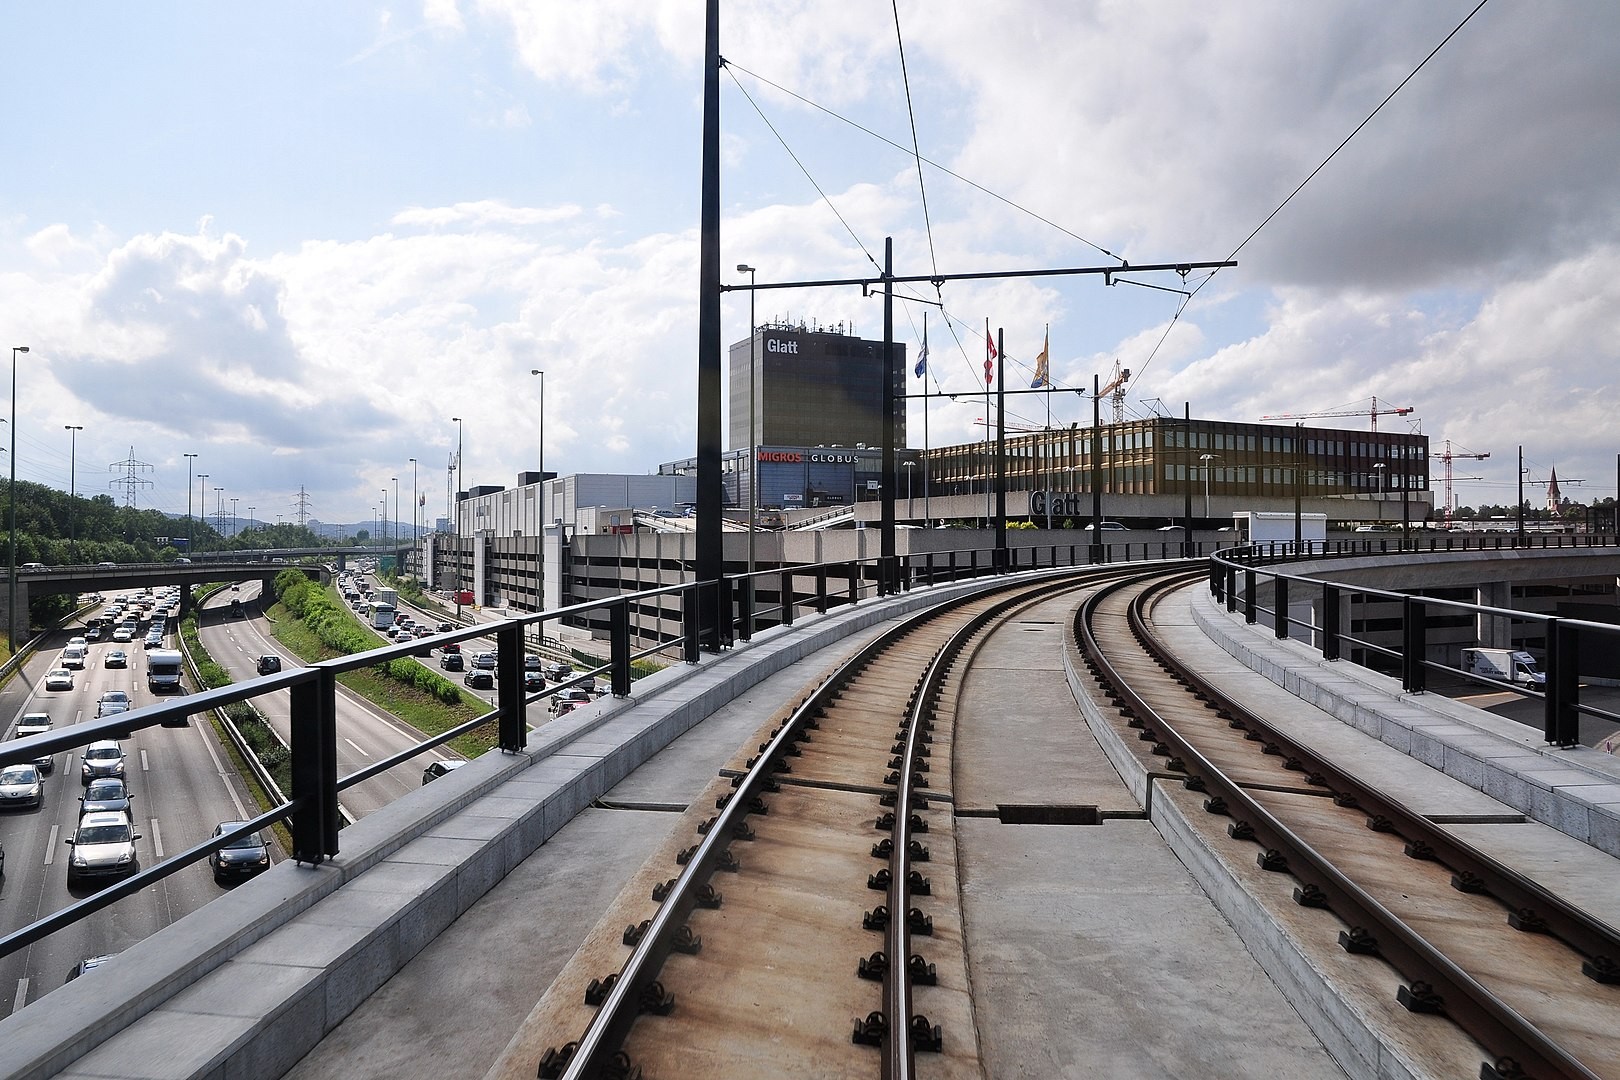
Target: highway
{"points": [[365, 732], [180, 786]]}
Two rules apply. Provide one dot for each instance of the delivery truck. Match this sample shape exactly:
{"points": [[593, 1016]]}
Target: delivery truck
{"points": [[1508, 665], [163, 670]]}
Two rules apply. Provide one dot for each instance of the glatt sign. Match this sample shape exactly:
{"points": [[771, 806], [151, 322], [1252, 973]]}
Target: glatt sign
{"points": [[1057, 503]]}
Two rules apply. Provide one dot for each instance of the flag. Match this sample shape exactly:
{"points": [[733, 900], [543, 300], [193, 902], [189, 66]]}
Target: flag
{"points": [[1042, 374], [989, 356], [990, 344], [922, 355]]}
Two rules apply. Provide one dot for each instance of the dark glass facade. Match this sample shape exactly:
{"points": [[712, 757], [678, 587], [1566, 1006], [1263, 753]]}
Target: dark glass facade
{"points": [[813, 387]]}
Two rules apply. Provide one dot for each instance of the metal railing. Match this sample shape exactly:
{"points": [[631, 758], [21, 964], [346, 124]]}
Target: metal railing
{"points": [[1241, 578]]}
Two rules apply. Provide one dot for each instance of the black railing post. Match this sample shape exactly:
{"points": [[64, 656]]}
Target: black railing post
{"points": [[855, 580], [314, 769], [512, 732], [1279, 618], [745, 608], [821, 589], [1231, 589], [689, 624], [1248, 595], [787, 598], [1216, 572], [1414, 644], [1562, 723], [619, 646], [1330, 622]]}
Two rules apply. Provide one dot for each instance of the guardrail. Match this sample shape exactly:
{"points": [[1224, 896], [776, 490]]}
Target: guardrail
{"points": [[1242, 577]]}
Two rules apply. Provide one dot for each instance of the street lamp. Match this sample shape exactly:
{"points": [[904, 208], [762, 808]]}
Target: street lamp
{"points": [[395, 479], [235, 527], [73, 447], [455, 507], [11, 601], [1379, 468], [753, 453], [219, 509], [384, 518], [1206, 459], [541, 509], [202, 492], [191, 536], [415, 528], [250, 517]]}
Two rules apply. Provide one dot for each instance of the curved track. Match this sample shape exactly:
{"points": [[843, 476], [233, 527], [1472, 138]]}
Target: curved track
{"points": [[1525, 979], [820, 902]]}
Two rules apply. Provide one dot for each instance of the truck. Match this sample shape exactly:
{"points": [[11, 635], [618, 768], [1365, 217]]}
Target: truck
{"points": [[1508, 665], [388, 596], [163, 670]]}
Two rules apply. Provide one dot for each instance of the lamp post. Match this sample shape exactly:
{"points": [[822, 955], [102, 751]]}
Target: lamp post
{"points": [[191, 537], [202, 494], [753, 451], [540, 508], [384, 518], [455, 507], [11, 601], [395, 479], [250, 517], [415, 530], [73, 449], [219, 509], [235, 528], [1207, 459], [1379, 467]]}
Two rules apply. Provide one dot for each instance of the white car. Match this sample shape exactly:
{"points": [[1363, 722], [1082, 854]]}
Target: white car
{"points": [[21, 785], [103, 845], [59, 679]]}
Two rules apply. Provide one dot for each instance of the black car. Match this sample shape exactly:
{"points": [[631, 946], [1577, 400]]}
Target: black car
{"points": [[533, 682], [89, 963], [269, 665], [479, 679], [531, 662], [107, 793], [438, 769], [452, 661], [241, 858]]}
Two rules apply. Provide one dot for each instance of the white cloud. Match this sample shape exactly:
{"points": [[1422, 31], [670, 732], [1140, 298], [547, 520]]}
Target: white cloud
{"points": [[485, 212]]}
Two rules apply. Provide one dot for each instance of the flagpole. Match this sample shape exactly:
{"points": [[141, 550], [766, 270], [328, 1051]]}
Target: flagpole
{"points": [[928, 517], [987, 463], [1046, 373]]}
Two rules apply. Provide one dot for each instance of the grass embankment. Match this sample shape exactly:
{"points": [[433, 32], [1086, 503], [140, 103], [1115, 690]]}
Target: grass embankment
{"points": [[312, 623]]}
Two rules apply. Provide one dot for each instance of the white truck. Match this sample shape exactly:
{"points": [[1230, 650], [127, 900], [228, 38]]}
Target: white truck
{"points": [[1508, 665], [163, 670], [387, 596]]}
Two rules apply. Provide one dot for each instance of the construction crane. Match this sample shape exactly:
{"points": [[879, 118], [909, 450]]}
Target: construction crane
{"points": [[1116, 387], [1372, 413], [1447, 458]]}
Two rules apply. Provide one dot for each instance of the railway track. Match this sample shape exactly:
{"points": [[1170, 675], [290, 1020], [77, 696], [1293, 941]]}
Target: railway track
{"points": [[810, 926], [1480, 970]]}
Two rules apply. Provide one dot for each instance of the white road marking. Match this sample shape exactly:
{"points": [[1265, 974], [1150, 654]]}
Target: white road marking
{"points": [[50, 845], [144, 765], [157, 839], [22, 995], [219, 768], [357, 747]]}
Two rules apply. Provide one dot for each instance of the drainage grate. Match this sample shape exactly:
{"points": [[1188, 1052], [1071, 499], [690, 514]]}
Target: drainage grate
{"points": [[1015, 814]]}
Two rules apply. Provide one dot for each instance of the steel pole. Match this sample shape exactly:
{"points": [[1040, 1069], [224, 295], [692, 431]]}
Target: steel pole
{"points": [[11, 577], [191, 532], [73, 449]]}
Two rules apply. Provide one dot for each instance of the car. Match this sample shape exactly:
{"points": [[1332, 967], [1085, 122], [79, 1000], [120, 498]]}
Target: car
{"points": [[533, 682], [1107, 526], [93, 634], [479, 679], [123, 634], [102, 758], [235, 585], [59, 679], [89, 963], [106, 795], [37, 723], [21, 785], [440, 768], [77, 640], [531, 662], [111, 708], [1172, 528], [560, 671], [423, 649], [240, 858], [452, 662], [154, 639], [103, 846], [33, 568], [115, 658], [485, 661], [450, 647], [106, 566], [119, 696], [443, 628], [572, 698], [269, 664]]}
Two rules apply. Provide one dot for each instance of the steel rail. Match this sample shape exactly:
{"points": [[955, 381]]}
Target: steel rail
{"points": [[1476, 871], [1433, 975], [598, 1053]]}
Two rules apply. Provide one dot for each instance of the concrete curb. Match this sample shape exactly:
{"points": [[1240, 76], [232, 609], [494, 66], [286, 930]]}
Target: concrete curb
{"points": [[246, 985]]}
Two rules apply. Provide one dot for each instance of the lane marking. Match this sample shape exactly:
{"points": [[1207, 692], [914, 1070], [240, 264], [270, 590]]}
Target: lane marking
{"points": [[50, 844], [22, 995], [144, 766], [219, 769], [157, 839], [357, 747]]}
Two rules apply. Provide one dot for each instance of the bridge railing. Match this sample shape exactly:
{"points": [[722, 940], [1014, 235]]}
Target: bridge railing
{"points": [[1263, 582]]}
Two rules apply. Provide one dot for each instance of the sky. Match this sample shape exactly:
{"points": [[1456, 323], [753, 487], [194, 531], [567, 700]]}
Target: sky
{"points": [[297, 240]]}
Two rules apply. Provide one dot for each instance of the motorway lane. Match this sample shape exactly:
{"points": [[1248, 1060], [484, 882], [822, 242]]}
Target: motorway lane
{"points": [[180, 790], [365, 732]]}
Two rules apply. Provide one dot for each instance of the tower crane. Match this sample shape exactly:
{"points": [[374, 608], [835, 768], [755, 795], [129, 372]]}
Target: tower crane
{"points": [[1372, 413], [1447, 458], [1116, 387]]}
